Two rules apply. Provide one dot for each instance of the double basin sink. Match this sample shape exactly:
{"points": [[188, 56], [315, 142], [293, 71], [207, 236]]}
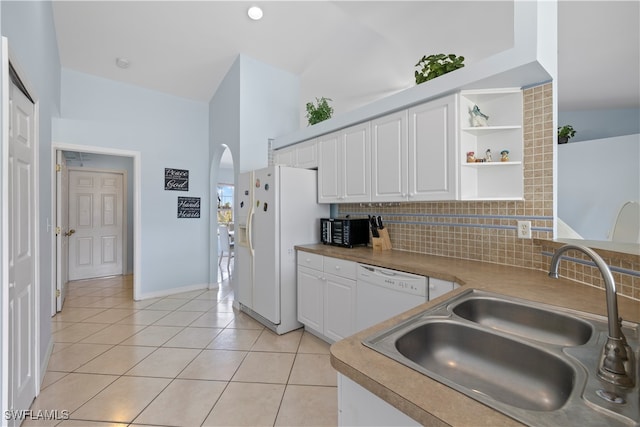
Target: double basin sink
{"points": [[533, 362]]}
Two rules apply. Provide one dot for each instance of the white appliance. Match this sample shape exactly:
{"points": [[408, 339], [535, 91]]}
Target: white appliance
{"points": [[383, 293], [276, 209]]}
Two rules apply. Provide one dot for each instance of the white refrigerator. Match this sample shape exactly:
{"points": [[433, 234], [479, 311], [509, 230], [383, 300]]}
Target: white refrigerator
{"points": [[276, 209]]}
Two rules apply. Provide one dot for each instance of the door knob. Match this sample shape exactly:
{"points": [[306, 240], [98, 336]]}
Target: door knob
{"points": [[70, 232]]}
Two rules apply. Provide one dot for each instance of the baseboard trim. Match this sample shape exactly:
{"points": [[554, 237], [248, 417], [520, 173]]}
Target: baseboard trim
{"points": [[173, 291]]}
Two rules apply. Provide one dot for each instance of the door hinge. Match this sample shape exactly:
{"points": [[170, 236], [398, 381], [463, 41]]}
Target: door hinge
{"points": [[58, 167], [57, 293], [58, 231]]}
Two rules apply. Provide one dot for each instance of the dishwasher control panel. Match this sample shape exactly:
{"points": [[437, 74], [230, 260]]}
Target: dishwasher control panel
{"points": [[394, 280]]}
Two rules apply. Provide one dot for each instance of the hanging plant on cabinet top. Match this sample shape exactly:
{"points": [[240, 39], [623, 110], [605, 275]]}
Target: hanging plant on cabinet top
{"points": [[433, 66], [320, 112]]}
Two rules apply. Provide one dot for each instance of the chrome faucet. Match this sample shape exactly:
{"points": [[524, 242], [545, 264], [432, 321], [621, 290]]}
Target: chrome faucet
{"points": [[617, 361]]}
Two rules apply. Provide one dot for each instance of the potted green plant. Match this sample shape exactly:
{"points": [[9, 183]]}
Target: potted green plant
{"points": [[565, 133], [433, 66], [319, 112]]}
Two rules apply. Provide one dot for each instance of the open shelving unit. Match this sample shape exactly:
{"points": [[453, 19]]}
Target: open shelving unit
{"points": [[495, 180]]}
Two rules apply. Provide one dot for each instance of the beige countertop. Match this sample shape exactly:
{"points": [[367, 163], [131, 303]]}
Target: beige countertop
{"points": [[426, 400]]}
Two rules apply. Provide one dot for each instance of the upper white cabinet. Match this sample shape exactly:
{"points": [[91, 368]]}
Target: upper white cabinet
{"points": [[344, 165], [432, 150], [285, 156], [414, 153], [389, 158], [497, 179], [303, 155], [420, 153]]}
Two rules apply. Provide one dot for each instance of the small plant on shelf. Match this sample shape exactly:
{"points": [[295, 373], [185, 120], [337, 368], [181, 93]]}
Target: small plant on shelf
{"points": [[565, 133], [320, 112], [433, 66]]}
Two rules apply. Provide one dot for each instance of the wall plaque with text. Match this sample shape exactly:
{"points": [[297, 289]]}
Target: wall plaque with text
{"points": [[188, 207], [176, 179]]}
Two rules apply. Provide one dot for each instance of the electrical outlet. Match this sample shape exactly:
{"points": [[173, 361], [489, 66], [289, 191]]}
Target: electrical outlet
{"points": [[524, 229]]}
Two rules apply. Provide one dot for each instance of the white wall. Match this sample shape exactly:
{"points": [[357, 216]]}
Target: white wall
{"points": [[595, 178], [268, 108], [168, 132], [254, 102]]}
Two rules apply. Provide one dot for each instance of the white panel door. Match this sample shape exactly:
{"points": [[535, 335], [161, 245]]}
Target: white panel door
{"points": [[62, 238], [95, 221], [22, 251]]}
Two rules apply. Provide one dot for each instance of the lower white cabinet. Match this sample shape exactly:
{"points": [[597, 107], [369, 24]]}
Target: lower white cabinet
{"points": [[357, 406], [326, 295]]}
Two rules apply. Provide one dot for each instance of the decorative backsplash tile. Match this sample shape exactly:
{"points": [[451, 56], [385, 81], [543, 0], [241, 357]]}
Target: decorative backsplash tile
{"points": [[486, 230]]}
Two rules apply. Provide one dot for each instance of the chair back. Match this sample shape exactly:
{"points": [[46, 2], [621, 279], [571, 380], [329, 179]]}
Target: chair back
{"points": [[225, 241], [627, 226]]}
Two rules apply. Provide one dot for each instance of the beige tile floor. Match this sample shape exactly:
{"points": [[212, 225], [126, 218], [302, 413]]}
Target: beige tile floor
{"points": [[184, 360]]}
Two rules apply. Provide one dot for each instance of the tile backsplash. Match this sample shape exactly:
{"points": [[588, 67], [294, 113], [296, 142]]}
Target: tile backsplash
{"points": [[486, 230]]}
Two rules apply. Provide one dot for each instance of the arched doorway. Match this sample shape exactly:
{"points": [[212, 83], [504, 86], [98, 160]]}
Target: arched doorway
{"points": [[222, 184]]}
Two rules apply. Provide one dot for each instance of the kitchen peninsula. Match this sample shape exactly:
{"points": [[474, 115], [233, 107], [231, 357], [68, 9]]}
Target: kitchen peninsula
{"points": [[423, 399]]}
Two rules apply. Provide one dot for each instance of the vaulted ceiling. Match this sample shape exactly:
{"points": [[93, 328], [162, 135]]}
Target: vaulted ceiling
{"points": [[351, 51]]}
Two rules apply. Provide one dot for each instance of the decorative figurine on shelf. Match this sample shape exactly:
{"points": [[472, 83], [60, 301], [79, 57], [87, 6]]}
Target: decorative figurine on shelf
{"points": [[487, 155], [478, 119], [471, 157], [504, 156]]}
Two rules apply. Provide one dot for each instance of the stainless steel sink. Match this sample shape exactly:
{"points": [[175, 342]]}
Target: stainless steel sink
{"points": [[534, 362], [525, 320], [477, 359]]}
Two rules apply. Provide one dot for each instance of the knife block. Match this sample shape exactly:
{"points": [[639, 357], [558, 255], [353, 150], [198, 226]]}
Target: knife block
{"points": [[382, 243]]}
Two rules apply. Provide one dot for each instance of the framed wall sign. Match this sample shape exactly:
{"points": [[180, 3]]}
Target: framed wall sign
{"points": [[188, 207], [176, 179]]}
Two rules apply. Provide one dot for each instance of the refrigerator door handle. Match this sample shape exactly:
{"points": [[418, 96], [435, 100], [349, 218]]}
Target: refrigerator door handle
{"points": [[250, 230]]}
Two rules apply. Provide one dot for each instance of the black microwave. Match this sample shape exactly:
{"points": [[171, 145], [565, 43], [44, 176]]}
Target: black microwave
{"points": [[345, 232]]}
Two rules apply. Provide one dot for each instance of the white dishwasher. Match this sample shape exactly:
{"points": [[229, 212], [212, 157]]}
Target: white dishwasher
{"points": [[383, 293]]}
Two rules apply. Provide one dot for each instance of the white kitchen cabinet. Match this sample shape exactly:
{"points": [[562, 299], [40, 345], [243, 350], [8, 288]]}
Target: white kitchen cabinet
{"points": [[389, 158], [433, 150], [302, 155], [344, 165], [413, 153], [357, 406], [495, 179], [310, 298], [326, 295], [285, 156]]}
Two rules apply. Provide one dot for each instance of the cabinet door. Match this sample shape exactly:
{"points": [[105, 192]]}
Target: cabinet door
{"points": [[328, 168], [285, 156], [307, 154], [356, 163], [311, 298], [432, 150], [389, 145], [339, 307]]}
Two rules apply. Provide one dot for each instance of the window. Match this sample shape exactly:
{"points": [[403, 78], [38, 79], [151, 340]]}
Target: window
{"points": [[225, 203]]}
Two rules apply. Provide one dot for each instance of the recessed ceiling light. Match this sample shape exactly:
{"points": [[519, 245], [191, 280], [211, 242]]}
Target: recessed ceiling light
{"points": [[255, 13], [122, 62]]}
